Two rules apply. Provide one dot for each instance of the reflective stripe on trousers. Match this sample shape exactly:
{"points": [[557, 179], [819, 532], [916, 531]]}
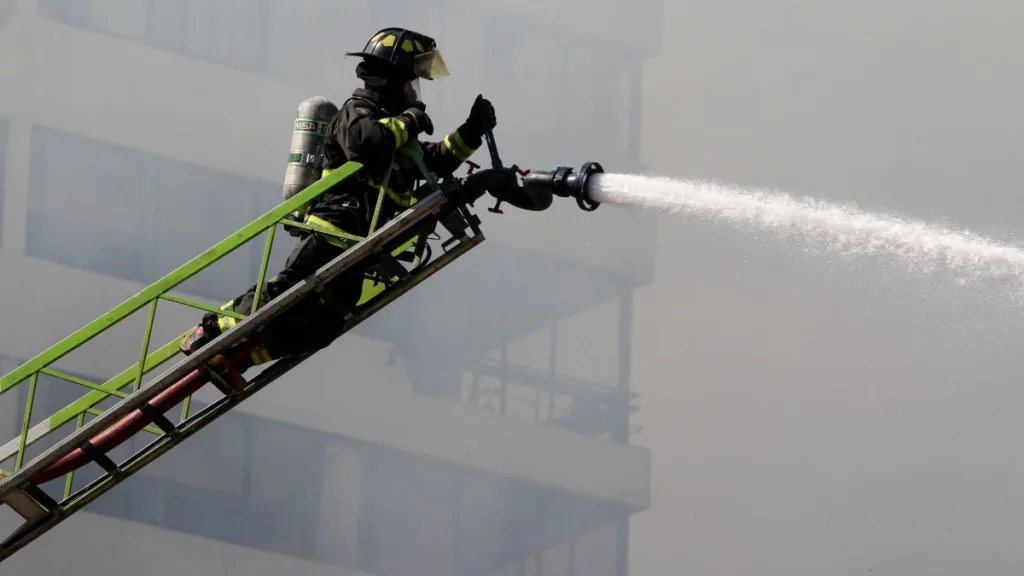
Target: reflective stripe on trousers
{"points": [[259, 354], [317, 222]]}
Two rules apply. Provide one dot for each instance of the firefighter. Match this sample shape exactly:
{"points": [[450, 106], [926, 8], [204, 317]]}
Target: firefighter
{"points": [[380, 117]]}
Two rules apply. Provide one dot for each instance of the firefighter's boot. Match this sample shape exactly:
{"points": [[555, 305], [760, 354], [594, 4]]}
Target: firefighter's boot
{"points": [[201, 335], [230, 374]]}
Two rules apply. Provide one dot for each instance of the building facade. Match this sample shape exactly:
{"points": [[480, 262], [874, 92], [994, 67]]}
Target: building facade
{"points": [[479, 425]]}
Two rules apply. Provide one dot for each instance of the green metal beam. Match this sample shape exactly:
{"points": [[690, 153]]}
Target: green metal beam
{"points": [[74, 500], [395, 238], [183, 273], [410, 154], [41, 364], [112, 386]]}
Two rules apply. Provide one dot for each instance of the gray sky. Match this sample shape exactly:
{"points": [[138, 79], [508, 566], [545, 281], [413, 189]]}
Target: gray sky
{"points": [[809, 417]]}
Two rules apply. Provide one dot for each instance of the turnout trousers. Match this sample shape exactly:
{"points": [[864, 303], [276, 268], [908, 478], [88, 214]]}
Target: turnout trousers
{"points": [[308, 325]]}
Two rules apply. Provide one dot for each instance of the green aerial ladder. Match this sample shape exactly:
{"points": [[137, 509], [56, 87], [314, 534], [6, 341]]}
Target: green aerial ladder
{"points": [[144, 407]]}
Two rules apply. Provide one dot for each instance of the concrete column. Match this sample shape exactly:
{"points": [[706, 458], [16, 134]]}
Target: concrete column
{"points": [[340, 505], [15, 185], [634, 137], [19, 80]]}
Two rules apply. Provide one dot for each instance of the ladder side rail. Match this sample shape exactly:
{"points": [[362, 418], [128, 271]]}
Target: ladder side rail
{"points": [[77, 409], [30, 531], [85, 404], [173, 279], [431, 205], [272, 373], [151, 295]]}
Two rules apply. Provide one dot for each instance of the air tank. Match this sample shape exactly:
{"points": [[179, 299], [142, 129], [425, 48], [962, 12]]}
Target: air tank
{"points": [[307, 141]]}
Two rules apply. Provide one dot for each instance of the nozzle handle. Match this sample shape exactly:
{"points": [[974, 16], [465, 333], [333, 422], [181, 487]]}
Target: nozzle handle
{"points": [[492, 147]]}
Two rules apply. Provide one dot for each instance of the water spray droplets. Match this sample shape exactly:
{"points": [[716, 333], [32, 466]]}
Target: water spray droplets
{"points": [[838, 228]]}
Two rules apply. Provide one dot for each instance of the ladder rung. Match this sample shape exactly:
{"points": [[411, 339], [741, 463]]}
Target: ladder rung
{"points": [[42, 497], [42, 512], [216, 379], [157, 418], [30, 502], [108, 465]]}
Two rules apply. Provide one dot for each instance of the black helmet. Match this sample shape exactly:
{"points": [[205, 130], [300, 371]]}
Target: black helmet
{"points": [[413, 54]]}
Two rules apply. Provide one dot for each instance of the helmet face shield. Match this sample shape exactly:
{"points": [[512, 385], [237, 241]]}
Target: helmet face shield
{"points": [[429, 65]]}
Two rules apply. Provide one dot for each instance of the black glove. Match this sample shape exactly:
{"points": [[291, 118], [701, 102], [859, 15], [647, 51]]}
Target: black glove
{"points": [[417, 121], [481, 116]]}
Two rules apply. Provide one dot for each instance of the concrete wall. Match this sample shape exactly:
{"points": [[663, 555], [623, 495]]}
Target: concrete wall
{"points": [[121, 127], [318, 498], [90, 544], [635, 25], [143, 83], [372, 402]]}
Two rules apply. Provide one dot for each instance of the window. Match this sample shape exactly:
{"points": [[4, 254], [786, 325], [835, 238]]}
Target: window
{"points": [[137, 216], [228, 32], [297, 41]]}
